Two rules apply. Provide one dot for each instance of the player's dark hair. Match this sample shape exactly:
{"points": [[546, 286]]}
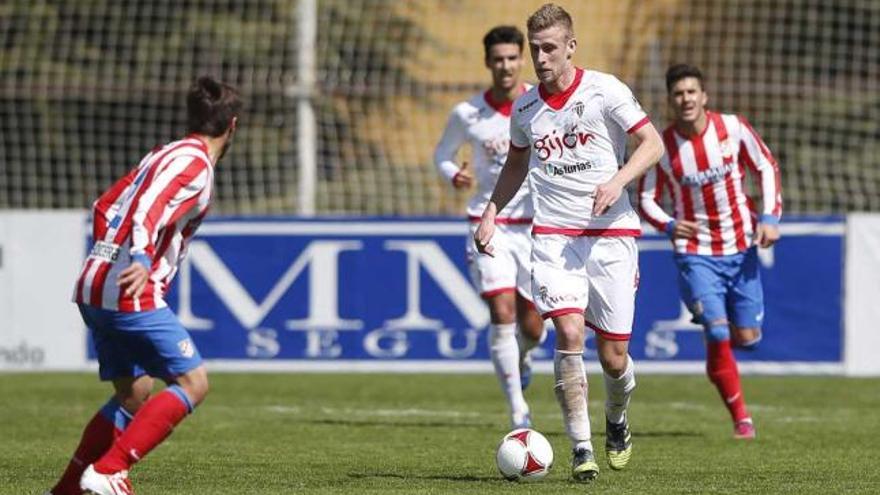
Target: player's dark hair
{"points": [[503, 35], [210, 107], [678, 72]]}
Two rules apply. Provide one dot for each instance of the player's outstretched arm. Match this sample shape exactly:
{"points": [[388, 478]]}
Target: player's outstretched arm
{"points": [[651, 188], [648, 152], [453, 138], [509, 181], [758, 158]]}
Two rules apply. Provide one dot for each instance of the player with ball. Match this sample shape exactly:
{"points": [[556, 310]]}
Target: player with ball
{"points": [[568, 135]]}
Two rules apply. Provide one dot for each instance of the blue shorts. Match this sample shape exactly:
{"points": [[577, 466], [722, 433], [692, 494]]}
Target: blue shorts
{"points": [[145, 343], [723, 288]]}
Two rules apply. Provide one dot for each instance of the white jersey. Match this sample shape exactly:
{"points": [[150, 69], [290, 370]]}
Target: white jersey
{"points": [[578, 140], [485, 125]]}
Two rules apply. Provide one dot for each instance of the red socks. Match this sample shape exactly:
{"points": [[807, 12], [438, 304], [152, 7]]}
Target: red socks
{"points": [[97, 437], [152, 424], [722, 371]]}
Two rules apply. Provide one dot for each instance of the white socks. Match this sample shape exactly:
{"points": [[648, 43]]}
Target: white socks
{"points": [[571, 393], [504, 350], [527, 343], [618, 391]]}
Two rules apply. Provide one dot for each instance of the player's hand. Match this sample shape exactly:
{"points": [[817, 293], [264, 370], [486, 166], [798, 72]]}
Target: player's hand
{"points": [[605, 196], [766, 235], [133, 279], [485, 231], [463, 179], [685, 229]]}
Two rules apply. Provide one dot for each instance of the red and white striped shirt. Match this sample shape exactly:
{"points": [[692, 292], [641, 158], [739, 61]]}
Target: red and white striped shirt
{"points": [[705, 176], [148, 216]]}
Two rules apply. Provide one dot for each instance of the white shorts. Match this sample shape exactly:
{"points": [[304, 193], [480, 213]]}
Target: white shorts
{"points": [[511, 267], [594, 275]]}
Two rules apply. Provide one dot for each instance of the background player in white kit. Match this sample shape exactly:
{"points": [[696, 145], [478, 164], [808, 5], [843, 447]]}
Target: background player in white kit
{"points": [[483, 121], [569, 136]]}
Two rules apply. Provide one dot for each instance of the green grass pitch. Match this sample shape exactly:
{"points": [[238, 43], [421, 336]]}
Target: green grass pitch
{"points": [[432, 434]]}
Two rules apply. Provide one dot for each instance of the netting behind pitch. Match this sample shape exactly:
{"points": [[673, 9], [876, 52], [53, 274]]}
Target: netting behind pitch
{"points": [[86, 87]]}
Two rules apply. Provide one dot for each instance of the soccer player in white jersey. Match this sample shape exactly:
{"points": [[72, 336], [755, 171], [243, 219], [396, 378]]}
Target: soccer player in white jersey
{"points": [[142, 225], [715, 228], [483, 122], [568, 135]]}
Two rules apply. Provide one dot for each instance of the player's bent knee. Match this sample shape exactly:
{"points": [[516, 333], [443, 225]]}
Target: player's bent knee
{"points": [[717, 331], [533, 327], [132, 393], [195, 384], [502, 309], [502, 317], [747, 339], [570, 339], [613, 356]]}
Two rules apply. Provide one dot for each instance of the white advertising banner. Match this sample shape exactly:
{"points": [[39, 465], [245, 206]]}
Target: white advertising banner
{"points": [[40, 255], [862, 295]]}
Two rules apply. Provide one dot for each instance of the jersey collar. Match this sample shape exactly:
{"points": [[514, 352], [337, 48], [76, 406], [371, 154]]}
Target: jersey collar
{"points": [[502, 107], [558, 100]]}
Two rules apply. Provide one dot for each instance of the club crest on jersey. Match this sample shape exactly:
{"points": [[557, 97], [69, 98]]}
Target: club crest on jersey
{"points": [[187, 348], [556, 142], [578, 109], [497, 149], [726, 150]]}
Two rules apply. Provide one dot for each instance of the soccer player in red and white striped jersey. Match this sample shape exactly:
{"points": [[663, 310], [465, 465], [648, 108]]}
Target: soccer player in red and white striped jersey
{"points": [[715, 227], [146, 219], [142, 225]]}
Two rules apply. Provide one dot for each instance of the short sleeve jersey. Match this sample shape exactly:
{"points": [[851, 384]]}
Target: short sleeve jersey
{"points": [[577, 140]]}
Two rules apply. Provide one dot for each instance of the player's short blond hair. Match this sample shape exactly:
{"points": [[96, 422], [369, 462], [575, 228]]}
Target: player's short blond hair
{"points": [[549, 15]]}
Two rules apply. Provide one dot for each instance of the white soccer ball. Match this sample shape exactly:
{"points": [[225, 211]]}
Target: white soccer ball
{"points": [[524, 455]]}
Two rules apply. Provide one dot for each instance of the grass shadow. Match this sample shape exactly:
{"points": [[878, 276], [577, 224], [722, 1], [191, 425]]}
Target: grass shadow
{"points": [[636, 434], [395, 424], [435, 477], [487, 425]]}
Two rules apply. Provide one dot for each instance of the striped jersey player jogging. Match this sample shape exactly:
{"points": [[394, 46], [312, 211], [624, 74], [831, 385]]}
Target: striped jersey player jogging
{"points": [[715, 227], [148, 216], [705, 176]]}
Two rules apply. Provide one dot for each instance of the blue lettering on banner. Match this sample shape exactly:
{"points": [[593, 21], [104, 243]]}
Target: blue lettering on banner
{"points": [[379, 290]]}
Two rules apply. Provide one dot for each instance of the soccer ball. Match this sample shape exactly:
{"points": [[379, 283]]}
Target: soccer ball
{"points": [[524, 455]]}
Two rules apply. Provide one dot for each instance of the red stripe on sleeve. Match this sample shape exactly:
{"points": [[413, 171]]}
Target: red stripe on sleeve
{"points": [[777, 179], [638, 125]]}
